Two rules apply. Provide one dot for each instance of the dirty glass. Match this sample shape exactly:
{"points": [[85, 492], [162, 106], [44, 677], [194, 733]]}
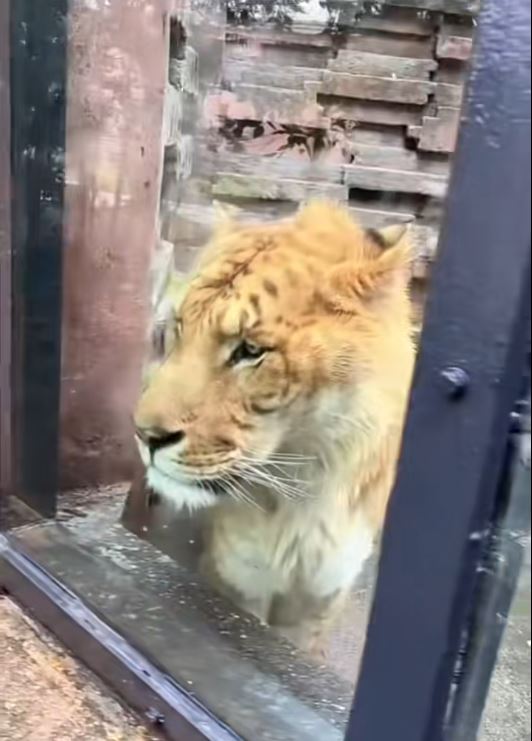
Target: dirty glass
{"points": [[184, 119], [501, 632], [507, 713]]}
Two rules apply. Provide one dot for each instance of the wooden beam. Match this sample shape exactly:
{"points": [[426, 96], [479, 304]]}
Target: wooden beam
{"points": [[415, 92], [243, 186], [401, 181], [370, 112], [438, 133], [270, 75], [459, 7], [452, 46], [382, 65]]}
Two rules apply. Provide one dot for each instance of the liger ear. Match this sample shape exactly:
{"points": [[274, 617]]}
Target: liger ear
{"points": [[388, 236], [355, 283]]}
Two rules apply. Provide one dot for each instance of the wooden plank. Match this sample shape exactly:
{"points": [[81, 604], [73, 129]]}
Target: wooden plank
{"points": [[439, 134], [270, 75], [395, 46], [449, 96], [284, 166], [398, 21], [190, 227], [414, 132], [451, 46], [452, 72], [438, 163], [255, 35], [370, 112], [379, 178], [364, 87], [382, 65], [383, 136], [279, 105], [244, 186], [459, 7], [395, 158], [204, 215], [267, 98], [282, 56]]}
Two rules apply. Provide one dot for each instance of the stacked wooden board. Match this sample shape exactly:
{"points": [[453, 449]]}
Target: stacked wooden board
{"points": [[365, 114]]}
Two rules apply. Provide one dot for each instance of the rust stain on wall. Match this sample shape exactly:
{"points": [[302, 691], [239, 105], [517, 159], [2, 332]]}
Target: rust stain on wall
{"points": [[117, 69]]}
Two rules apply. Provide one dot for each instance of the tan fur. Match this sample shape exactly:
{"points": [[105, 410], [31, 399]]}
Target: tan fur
{"points": [[321, 414]]}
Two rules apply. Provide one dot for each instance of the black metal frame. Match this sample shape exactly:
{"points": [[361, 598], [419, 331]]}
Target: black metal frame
{"points": [[153, 694], [38, 35], [469, 376], [5, 261]]}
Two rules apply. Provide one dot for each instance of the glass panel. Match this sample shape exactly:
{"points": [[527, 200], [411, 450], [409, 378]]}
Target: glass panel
{"points": [[275, 383], [501, 634], [508, 708]]}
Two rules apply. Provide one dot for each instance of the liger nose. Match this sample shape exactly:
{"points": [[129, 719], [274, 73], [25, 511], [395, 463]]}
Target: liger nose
{"points": [[157, 438]]}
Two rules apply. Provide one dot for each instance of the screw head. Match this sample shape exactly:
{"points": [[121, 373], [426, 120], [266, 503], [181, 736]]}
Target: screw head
{"points": [[455, 381], [155, 717], [56, 93]]}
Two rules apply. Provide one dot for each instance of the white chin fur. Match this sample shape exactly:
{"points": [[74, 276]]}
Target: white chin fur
{"points": [[179, 494]]}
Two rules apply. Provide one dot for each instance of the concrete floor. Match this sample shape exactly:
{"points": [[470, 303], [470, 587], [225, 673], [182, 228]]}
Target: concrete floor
{"points": [[45, 695]]}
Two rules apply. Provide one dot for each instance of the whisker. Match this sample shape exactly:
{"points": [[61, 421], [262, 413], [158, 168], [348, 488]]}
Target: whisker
{"points": [[231, 489], [281, 476], [243, 494], [262, 477], [283, 456], [233, 492], [274, 459]]}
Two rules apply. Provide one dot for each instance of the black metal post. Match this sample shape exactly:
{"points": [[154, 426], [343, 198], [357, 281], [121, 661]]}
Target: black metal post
{"points": [[38, 83], [469, 376], [5, 263]]}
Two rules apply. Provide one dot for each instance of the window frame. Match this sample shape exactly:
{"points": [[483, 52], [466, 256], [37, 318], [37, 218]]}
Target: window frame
{"points": [[5, 262], [470, 375], [32, 302]]}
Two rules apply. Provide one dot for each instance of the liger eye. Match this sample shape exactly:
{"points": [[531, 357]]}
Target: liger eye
{"points": [[247, 352]]}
